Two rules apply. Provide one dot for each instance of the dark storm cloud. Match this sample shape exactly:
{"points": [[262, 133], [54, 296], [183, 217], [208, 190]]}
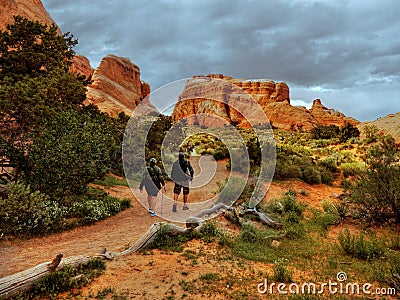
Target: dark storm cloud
{"points": [[341, 46]]}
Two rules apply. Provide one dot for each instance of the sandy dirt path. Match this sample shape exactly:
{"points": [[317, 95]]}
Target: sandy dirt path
{"points": [[119, 232], [115, 233]]}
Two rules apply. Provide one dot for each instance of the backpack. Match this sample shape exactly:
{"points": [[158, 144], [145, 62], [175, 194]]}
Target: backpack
{"points": [[154, 174]]}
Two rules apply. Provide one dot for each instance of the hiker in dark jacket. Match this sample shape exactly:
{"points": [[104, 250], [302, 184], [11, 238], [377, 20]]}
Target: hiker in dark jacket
{"points": [[152, 181], [182, 174]]}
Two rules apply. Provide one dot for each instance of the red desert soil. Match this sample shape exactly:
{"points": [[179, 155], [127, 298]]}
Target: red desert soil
{"points": [[138, 273]]}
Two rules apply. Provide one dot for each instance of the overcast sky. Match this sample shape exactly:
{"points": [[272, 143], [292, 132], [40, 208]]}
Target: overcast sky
{"points": [[347, 53]]}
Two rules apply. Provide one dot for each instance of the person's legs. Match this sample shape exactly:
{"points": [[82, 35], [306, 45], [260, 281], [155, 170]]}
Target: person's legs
{"points": [[185, 197], [153, 202], [149, 201], [177, 191]]}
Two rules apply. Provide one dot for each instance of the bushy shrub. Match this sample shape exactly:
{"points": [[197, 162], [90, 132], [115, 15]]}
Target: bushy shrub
{"points": [[91, 210], [125, 203], [220, 153], [296, 162], [360, 247], [352, 169], [377, 193], [342, 157], [165, 241], [291, 205], [325, 132], [210, 231], [329, 164], [320, 144], [371, 134], [251, 234], [311, 175], [326, 177], [347, 132], [29, 212], [286, 170]]}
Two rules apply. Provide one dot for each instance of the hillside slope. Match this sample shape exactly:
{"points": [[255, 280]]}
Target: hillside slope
{"points": [[389, 124]]}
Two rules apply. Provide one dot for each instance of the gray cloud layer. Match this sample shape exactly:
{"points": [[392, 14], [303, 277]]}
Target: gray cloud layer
{"points": [[345, 52]]}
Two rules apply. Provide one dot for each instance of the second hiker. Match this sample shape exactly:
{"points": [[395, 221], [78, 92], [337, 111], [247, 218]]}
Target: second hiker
{"points": [[182, 174], [152, 181]]}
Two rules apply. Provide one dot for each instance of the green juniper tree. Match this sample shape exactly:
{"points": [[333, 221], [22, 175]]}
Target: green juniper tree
{"points": [[50, 139], [377, 193]]}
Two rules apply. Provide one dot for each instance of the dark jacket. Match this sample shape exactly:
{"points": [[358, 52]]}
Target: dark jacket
{"points": [[181, 171]]}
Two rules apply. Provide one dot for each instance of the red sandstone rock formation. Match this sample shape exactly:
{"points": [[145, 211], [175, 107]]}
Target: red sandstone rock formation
{"points": [[272, 97], [116, 86], [116, 83], [326, 116], [81, 65], [30, 9]]}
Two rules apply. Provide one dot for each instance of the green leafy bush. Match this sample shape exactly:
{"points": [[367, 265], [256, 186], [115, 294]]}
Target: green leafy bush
{"points": [[330, 164], [286, 170], [210, 231], [251, 234], [91, 210], [27, 212], [327, 177], [75, 154], [165, 241]]}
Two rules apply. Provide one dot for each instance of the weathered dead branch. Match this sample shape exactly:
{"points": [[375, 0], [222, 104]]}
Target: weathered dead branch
{"points": [[263, 217]]}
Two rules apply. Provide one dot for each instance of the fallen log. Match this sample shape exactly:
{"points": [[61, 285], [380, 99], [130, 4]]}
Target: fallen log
{"points": [[23, 281], [263, 217]]}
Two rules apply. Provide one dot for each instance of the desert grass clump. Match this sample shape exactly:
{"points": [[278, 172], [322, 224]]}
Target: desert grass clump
{"points": [[359, 247], [67, 278], [352, 169], [110, 180], [281, 272]]}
